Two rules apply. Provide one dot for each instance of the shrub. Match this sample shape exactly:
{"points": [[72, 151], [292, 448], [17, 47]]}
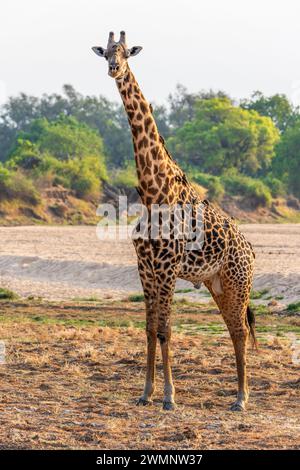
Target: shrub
{"points": [[6, 294], [213, 184], [136, 298], [24, 189], [216, 189], [125, 177], [83, 175], [294, 307], [252, 189], [200, 178], [15, 185], [25, 155], [276, 186]]}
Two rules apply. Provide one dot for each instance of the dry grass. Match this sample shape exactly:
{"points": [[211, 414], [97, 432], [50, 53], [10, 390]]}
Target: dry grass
{"points": [[74, 371]]}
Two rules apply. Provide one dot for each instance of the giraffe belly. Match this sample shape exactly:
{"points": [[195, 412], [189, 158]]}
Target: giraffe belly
{"points": [[196, 269]]}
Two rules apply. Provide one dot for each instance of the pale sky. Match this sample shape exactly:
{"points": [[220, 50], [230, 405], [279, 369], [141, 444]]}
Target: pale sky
{"points": [[234, 45]]}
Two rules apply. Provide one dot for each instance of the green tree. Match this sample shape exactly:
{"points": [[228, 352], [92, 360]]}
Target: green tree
{"points": [[182, 104], [287, 160], [223, 136], [108, 118], [64, 138], [64, 152], [277, 107]]}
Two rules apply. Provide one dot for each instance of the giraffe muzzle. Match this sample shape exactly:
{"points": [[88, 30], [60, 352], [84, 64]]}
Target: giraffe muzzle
{"points": [[113, 70]]}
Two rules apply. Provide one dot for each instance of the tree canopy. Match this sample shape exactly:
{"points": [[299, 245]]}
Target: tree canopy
{"points": [[277, 107], [287, 161], [221, 136]]}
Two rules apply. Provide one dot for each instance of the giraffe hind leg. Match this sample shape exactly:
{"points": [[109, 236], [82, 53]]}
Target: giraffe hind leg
{"points": [[233, 304]]}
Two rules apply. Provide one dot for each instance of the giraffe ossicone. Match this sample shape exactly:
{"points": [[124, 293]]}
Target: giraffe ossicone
{"points": [[224, 262]]}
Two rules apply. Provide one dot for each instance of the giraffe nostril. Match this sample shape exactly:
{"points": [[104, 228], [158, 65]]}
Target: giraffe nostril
{"points": [[114, 67]]}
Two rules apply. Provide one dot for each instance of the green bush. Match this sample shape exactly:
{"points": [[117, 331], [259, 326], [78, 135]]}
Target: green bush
{"points": [[125, 177], [255, 191], [63, 151], [294, 307], [82, 175], [276, 186], [216, 190], [136, 298], [15, 185], [23, 188], [200, 178], [25, 155], [6, 294], [213, 184]]}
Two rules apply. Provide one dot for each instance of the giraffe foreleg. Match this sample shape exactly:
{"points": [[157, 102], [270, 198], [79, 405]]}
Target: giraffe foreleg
{"points": [[148, 282], [149, 387], [165, 297]]}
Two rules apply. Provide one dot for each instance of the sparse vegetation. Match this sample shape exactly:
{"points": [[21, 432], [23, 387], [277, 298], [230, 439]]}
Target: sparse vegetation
{"points": [[136, 298], [183, 291], [294, 307], [86, 365], [260, 309], [6, 294], [258, 294]]}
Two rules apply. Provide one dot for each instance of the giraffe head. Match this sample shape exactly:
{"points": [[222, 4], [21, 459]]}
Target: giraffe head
{"points": [[117, 54]]}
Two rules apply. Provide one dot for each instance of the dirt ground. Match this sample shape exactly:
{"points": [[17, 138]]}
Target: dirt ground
{"points": [[73, 371], [68, 262]]}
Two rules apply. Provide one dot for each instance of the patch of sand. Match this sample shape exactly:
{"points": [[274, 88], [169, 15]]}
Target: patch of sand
{"points": [[68, 262]]}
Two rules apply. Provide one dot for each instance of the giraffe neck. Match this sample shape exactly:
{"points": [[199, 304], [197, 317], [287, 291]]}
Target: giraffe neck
{"points": [[160, 179]]}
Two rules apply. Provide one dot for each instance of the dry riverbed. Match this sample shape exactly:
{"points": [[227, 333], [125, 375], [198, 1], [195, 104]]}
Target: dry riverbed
{"points": [[71, 262]]}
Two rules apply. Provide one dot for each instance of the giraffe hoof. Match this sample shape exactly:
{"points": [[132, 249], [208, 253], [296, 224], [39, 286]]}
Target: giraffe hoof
{"points": [[237, 406], [169, 405], [143, 402]]}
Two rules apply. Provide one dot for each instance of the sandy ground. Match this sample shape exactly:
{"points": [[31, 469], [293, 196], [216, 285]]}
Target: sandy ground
{"points": [[71, 262], [73, 371]]}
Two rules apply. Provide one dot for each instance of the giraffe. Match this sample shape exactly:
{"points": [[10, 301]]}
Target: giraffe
{"points": [[224, 263]]}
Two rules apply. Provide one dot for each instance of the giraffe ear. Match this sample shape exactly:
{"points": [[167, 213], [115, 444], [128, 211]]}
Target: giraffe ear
{"points": [[134, 51], [99, 51]]}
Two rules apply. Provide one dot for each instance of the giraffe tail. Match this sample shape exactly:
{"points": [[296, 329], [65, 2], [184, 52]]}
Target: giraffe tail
{"points": [[251, 323]]}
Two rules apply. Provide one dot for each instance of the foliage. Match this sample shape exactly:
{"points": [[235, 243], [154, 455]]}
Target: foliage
{"points": [[6, 294], [182, 105], [213, 184], [287, 161], [251, 149], [222, 136], [294, 307], [83, 175], [234, 183], [136, 298], [277, 107], [98, 113], [276, 186], [252, 189], [125, 177], [64, 138], [15, 185], [68, 152]]}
